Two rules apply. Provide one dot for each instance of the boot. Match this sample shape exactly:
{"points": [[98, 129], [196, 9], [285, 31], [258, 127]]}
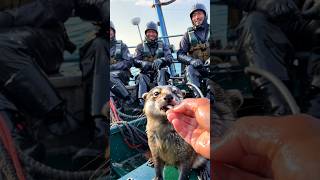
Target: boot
{"points": [[119, 90], [162, 77], [143, 82], [193, 76], [210, 93], [22, 89], [45, 105]]}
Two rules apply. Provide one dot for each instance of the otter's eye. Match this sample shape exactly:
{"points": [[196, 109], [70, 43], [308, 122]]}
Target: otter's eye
{"points": [[155, 94]]}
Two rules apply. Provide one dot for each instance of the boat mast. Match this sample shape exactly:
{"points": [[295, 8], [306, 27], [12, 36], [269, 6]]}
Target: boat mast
{"points": [[157, 5]]}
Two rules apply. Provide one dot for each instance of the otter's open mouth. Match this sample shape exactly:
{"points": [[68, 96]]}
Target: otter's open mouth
{"points": [[166, 107]]}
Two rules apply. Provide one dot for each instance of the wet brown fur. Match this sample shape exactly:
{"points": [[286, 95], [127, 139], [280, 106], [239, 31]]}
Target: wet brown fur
{"points": [[167, 147]]}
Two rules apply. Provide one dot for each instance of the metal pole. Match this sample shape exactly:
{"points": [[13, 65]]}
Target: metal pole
{"points": [[164, 33], [140, 34]]}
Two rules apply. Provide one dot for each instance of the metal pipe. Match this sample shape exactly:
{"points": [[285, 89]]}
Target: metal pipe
{"points": [[197, 89], [163, 29], [278, 84], [178, 35], [140, 33]]}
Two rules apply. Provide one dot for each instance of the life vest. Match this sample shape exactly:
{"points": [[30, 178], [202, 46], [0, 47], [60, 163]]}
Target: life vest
{"points": [[148, 56], [117, 53], [198, 49]]}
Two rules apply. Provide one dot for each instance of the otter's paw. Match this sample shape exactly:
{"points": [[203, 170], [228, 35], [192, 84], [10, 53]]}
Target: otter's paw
{"points": [[150, 163]]}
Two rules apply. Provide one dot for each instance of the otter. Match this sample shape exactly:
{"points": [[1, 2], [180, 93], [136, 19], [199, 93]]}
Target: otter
{"points": [[224, 108], [166, 146]]}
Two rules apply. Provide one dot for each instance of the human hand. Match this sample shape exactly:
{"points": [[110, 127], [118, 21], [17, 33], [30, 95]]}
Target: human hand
{"points": [[157, 64], [257, 148], [146, 66], [196, 63], [191, 120]]}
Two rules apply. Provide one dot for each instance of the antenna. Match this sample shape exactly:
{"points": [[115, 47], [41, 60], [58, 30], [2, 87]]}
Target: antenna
{"points": [[136, 21]]}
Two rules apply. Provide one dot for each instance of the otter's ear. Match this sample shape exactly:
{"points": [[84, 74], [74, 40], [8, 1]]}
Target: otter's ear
{"points": [[184, 93], [235, 97], [144, 96]]}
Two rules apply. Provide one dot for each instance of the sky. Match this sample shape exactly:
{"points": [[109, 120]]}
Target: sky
{"points": [[176, 18]]}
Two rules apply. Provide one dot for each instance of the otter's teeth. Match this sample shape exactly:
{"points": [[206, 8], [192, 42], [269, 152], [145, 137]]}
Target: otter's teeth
{"points": [[169, 106]]}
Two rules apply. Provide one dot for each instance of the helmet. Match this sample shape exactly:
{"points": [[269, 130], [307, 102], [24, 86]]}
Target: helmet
{"points": [[151, 26], [112, 26], [196, 7]]}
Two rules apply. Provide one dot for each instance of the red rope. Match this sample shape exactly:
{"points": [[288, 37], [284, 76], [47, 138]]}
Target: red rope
{"points": [[8, 142], [132, 146], [113, 108]]}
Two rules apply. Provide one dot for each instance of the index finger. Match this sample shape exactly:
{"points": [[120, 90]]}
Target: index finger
{"points": [[189, 106]]}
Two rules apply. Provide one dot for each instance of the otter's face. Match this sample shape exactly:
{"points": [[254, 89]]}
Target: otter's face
{"points": [[161, 98]]}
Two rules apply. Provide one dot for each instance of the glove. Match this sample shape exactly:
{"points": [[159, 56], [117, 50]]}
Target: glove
{"points": [[311, 9], [146, 66], [157, 64], [276, 8], [196, 63]]}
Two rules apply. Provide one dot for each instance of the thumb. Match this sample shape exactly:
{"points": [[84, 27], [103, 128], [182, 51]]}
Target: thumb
{"points": [[225, 172]]}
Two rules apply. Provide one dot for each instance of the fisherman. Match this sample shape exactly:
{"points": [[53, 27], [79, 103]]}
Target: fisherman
{"points": [[270, 34], [120, 64], [194, 46], [32, 42], [151, 56]]}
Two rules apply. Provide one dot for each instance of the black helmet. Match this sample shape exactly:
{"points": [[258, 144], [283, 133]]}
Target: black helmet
{"points": [[151, 26], [198, 6], [112, 26]]}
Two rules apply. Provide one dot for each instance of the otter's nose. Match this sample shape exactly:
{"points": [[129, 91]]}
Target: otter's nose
{"points": [[168, 98]]}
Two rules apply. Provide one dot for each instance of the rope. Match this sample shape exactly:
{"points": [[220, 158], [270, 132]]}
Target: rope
{"points": [[5, 136], [133, 136], [128, 116], [113, 109], [14, 171], [6, 165], [44, 170]]}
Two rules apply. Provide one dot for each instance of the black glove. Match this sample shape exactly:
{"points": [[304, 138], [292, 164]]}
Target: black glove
{"points": [[311, 9], [121, 65], [196, 63], [157, 64], [146, 66], [276, 8]]}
